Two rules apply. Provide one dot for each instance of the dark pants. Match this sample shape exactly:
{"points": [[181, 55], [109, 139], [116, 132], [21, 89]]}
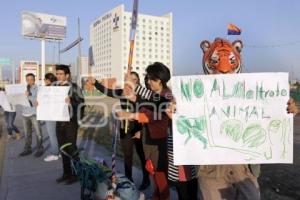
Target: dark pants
{"points": [[66, 132], [127, 146], [186, 190], [9, 120]]}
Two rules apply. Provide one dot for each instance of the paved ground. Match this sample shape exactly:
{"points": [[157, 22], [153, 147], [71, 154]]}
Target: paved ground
{"points": [[30, 178]]}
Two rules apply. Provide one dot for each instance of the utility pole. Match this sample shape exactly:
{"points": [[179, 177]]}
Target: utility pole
{"points": [[58, 52], [78, 68]]}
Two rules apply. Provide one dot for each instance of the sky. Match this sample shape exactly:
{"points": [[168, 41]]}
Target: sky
{"points": [[270, 30]]}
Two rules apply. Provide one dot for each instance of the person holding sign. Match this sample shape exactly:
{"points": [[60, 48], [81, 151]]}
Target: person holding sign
{"points": [[29, 119], [232, 182], [49, 80], [182, 177], [133, 129], [155, 130], [66, 132]]}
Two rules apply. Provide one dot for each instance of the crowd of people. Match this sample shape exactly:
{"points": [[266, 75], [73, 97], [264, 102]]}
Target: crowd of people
{"points": [[59, 133], [146, 125]]}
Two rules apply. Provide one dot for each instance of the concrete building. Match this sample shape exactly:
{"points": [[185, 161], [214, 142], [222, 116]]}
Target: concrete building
{"points": [[109, 40]]}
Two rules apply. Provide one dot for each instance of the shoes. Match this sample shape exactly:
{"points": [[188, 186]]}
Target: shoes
{"points": [[144, 185], [71, 179], [39, 153], [10, 137], [62, 179], [26, 152], [18, 136], [50, 158]]}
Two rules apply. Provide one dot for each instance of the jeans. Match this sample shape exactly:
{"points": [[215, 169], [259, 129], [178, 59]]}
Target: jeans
{"points": [[28, 123], [51, 129], [9, 120]]}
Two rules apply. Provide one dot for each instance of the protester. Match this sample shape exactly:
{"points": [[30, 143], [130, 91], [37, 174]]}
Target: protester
{"points": [[183, 178], [155, 130], [10, 115], [128, 138], [49, 80], [29, 119], [66, 132]]}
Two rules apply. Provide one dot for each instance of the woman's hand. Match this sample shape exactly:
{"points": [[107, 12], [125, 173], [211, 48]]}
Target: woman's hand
{"points": [[68, 100], [137, 135], [129, 93]]}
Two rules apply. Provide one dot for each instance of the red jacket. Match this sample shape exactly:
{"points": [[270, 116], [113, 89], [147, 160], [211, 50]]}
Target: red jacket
{"points": [[155, 118]]}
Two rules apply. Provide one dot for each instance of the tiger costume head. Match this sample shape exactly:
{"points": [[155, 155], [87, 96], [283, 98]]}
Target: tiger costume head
{"points": [[221, 56]]}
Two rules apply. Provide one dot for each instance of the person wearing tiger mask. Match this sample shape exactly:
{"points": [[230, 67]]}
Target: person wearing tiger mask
{"points": [[230, 182]]}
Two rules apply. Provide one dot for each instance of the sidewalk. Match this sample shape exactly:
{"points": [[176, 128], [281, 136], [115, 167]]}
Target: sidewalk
{"points": [[30, 178]]}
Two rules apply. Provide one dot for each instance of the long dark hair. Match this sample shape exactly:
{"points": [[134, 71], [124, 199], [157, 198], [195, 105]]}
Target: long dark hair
{"points": [[51, 77]]}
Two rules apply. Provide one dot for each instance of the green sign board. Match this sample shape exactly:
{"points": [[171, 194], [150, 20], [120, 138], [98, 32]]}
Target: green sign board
{"points": [[5, 61]]}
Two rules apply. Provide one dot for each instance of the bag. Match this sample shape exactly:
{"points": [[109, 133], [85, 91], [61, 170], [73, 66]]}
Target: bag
{"points": [[126, 189]]}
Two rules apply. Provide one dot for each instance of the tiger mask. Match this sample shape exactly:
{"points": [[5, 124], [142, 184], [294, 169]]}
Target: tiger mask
{"points": [[221, 56]]}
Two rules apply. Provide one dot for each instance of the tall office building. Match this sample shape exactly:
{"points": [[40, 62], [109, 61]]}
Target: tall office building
{"points": [[109, 41]]}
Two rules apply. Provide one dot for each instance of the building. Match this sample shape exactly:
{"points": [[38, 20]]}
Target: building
{"points": [[50, 68], [109, 40], [82, 65], [27, 67]]}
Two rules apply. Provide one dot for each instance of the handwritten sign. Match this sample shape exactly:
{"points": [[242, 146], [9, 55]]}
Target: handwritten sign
{"points": [[52, 104], [232, 119]]}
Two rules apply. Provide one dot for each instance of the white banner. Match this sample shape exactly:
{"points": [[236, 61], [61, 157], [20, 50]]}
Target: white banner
{"points": [[232, 119], [52, 104], [16, 94], [15, 89]]}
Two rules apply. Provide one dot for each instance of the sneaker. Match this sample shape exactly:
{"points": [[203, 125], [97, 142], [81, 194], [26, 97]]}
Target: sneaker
{"points": [[26, 152], [18, 136], [39, 153], [10, 137], [50, 158]]}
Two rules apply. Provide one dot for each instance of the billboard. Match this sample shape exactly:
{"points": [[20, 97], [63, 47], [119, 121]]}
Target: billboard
{"points": [[29, 67], [39, 25]]}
